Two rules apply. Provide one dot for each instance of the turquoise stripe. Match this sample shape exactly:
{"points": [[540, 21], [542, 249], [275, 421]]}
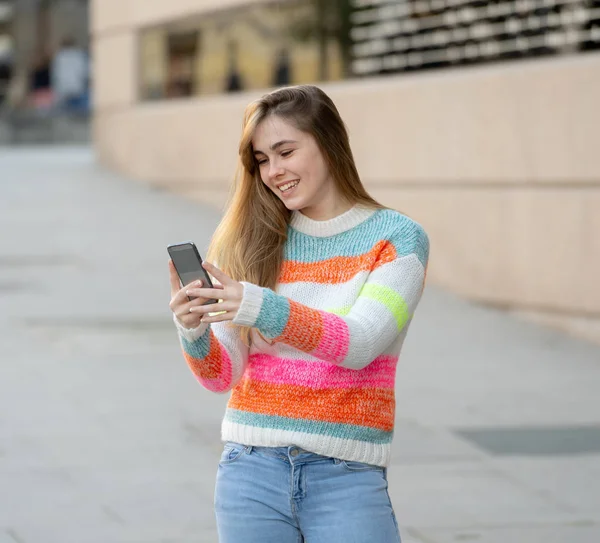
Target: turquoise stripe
{"points": [[200, 347], [406, 235], [342, 431], [274, 314]]}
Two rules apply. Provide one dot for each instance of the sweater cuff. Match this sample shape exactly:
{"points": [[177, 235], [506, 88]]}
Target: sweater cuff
{"points": [[190, 334], [252, 301]]}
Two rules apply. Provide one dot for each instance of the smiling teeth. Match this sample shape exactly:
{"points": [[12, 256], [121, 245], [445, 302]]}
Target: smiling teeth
{"points": [[288, 186]]}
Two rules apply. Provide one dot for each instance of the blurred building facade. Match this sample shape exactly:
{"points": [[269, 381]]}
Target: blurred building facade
{"points": [[478, 119], [44, 71], [32, 31]]}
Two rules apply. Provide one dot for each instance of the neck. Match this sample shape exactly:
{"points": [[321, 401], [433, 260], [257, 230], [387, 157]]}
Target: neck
{"points": [[325, 212]]}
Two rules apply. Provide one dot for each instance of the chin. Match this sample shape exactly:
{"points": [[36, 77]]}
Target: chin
{"points": [[293, 206]]}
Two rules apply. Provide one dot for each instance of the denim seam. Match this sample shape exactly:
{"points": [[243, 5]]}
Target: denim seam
{"points": [[292, 500], [394, 519]]}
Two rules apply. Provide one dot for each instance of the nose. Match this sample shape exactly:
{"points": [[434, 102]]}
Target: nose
{"points": [[275, 170]]}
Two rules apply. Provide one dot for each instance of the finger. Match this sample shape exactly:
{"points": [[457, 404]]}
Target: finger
{"points": [[187, 305], [193, 288], [208, 293], [221, 317], [186, 291], [212, 308], [221, 276], [175, 284], [181, 303], [184, 310]]}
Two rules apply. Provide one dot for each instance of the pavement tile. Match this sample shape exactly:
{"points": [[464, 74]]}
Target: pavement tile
{"points": [[521, 534]]}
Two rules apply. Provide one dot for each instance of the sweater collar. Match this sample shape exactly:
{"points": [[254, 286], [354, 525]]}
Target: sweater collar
{"points": [[346, 221]]}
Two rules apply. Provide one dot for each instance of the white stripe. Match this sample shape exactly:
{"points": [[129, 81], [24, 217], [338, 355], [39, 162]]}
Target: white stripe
{"points": [[345, 449], [372, 328], [249, 310], [190, 334], [324, 296], [404, 275]]}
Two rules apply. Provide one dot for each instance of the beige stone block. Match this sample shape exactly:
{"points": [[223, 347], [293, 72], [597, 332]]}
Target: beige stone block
{"points": [[189, 140], [115, 71], [557, 113], [110, 15], [114, 140], [444, 127], [526, 121]]}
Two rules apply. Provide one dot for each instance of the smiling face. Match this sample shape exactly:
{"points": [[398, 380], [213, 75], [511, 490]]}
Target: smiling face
{"points": [[294, 168]]}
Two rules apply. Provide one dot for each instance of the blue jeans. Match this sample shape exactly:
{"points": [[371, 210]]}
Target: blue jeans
{"points": [[288, 495]]}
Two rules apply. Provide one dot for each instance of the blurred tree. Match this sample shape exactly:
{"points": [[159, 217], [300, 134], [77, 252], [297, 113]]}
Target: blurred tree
{"points": [[329, 20]]}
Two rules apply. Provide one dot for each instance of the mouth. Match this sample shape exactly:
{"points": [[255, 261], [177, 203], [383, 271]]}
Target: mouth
{"points": [[288, 186]]}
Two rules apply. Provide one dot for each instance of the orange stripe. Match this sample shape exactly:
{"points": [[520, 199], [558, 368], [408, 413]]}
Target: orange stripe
{"points": [[338, 269], [211, 366], [304, 328], [372, 407]]}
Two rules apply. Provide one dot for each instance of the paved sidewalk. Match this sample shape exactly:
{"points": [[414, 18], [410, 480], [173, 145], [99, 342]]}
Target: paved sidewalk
{"points": [[105, 437]]}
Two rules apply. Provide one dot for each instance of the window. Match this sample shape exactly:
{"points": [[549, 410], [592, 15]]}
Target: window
{"points": [[255, 47]]}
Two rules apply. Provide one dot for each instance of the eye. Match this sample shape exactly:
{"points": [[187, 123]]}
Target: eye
{"points": [[287, 153], [261, 161]]}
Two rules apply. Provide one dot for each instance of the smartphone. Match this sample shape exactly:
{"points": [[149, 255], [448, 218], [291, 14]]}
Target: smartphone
{"points": [[188, 264]]}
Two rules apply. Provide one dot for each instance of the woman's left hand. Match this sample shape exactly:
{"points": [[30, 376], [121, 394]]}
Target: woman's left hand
{"points": [[231, 295]]}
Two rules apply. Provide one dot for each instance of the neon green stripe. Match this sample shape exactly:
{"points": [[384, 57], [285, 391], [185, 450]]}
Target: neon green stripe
{"points": [[341, 311], [391, 299]]}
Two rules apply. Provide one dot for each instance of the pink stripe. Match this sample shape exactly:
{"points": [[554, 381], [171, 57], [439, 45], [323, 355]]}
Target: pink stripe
{"points": [[380, 373], [335, 340]]}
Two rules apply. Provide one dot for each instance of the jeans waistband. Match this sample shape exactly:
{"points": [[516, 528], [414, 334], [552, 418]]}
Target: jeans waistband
{"points": [[290, 453]]}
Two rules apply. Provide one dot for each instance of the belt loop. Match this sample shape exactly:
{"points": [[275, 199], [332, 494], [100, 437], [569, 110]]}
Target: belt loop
{"points": [[248, 449]]}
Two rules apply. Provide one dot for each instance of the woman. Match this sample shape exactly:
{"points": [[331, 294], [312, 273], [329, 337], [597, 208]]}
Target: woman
{"points": [[318, 284]]}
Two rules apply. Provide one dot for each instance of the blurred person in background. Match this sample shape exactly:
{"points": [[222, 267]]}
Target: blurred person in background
{"points": [[70, 76], [282, 74], [40, 85], [234, 81], [6, 73], [318, 284]]}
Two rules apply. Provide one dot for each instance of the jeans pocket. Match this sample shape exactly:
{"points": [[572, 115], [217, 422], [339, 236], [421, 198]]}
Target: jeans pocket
{"points": [[360, 466], [231, 453]]}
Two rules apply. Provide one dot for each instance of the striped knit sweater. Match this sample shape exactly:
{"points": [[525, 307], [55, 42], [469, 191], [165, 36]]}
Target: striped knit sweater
{"points": [[336, 322]]}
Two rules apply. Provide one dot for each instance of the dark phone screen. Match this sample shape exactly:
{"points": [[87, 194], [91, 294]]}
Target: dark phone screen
{"points": [[188, 266]]}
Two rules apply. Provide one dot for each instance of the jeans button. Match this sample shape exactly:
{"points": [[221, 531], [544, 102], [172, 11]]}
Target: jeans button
{"points": [[294, 452]]}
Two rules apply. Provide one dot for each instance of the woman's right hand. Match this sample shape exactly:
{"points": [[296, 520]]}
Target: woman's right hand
{"points": [[180, 304]]}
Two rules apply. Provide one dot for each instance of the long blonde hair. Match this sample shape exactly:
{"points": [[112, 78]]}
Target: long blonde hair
{"points": [[248, 243]]}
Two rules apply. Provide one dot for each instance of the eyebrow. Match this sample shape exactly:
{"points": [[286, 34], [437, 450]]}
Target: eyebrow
{"points": [[275, 146]]}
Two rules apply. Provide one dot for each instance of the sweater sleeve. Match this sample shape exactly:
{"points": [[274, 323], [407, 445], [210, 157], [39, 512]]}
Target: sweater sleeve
{"points": [[215, 353], [350, 337]]}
